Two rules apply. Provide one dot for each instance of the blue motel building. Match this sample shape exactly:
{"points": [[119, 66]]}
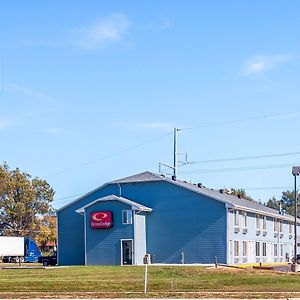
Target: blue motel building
{"points": [[174, 222]]}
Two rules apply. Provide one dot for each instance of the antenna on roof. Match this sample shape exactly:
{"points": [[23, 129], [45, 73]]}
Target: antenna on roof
{"points": [[175, 154]]}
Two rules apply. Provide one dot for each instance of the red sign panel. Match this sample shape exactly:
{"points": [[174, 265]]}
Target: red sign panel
{"points": [[101, 219]]}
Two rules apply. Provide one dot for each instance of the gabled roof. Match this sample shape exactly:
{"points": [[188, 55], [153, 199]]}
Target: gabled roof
{"points": [[134, 205], [141, 177], [230, 200]]}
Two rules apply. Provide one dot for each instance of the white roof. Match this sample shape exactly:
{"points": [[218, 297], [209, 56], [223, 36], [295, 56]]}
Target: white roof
{"points": [[134, 205]]}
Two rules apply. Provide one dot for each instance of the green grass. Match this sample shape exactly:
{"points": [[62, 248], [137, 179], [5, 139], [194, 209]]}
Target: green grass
{"points": [[165, 281]]}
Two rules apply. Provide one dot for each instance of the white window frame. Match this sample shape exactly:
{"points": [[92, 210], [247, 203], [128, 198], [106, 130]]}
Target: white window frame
{"points": [[244, 219], [236, 218], [236, 249], [258, 222], [290, 227], [257, 247], [129, 217], [275, 225], [245, 249], [281, 250], [275, 250], [280, 226], [264, 223], [264, 249]]}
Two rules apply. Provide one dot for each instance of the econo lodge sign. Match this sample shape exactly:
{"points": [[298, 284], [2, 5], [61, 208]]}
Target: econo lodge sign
{"points": [[101, 219]]}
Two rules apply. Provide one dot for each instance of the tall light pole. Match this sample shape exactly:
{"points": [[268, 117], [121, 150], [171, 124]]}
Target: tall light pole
{"points": [[295, 172]]}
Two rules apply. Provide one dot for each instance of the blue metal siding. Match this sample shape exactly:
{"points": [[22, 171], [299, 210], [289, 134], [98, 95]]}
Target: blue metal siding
{"points": [[103, 246], [71, 229], [181, 221]]}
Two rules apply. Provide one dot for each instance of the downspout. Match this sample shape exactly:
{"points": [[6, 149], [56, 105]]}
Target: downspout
{"points": [[120, 189], [229, 208], [85, 254]]}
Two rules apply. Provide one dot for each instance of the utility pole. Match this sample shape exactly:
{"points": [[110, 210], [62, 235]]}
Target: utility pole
{"points": [[175, 154]]}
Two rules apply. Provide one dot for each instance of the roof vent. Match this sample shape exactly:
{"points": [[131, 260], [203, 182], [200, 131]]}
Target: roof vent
{"points": [[221, 191], [199, 185], [173, 177], [239, 196]]}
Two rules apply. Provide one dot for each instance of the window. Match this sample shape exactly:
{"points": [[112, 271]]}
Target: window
{"points": [[245, 248], [236, 218], [275, 250], [127, 216], [244, 218], [264, 249], [275, 225], [281, 250], [236, 248], [258, 222], [264, 222], [257, 248], [290, 228], [281, 226]]}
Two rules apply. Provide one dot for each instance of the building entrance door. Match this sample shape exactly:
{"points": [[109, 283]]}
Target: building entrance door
{"points": [[126, 250]]}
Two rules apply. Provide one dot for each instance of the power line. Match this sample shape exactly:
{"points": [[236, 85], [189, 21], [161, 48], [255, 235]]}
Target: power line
{"points": [[242, 120], [268, 188], [250, 168], [67, 197], [110, 155], [243, 158], [169, 133]]}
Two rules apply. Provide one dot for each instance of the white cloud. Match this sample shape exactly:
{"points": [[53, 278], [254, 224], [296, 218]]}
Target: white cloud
{"points": [[107, 30], [261, 63]]}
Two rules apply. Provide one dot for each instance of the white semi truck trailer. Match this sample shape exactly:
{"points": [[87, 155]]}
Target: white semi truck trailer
{"points": [[15, 249]]}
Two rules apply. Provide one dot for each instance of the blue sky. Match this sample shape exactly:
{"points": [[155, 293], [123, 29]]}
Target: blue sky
{"points": [[91, 90]]}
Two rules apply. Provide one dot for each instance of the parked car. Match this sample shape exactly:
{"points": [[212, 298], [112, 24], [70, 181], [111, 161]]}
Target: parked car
{"points": [[296, 259], [50, 260]]}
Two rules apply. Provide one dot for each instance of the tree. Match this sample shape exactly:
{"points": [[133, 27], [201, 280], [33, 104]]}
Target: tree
{"points": [[47, 232], [287, 202], [241, 193], [23, 200], [273, 203]]}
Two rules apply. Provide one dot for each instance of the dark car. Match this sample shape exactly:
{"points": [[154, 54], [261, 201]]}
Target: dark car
{"points": [[297, 260], [50, 260]]}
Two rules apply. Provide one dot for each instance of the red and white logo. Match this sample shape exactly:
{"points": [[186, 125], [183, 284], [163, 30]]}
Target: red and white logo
{"points": [[101, 219]]}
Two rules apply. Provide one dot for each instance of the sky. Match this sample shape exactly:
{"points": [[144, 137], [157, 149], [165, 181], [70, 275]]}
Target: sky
{"points": [[92, 90]]}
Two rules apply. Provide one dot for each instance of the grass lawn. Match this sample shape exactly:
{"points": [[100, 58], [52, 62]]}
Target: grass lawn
{"points": [[163, 281]]}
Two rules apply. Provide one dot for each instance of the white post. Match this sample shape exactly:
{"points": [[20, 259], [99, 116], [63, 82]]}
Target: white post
{"points": [[146, 275]]}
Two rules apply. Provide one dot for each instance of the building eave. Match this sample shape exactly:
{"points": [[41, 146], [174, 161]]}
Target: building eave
{"points": [[134, 205]]}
